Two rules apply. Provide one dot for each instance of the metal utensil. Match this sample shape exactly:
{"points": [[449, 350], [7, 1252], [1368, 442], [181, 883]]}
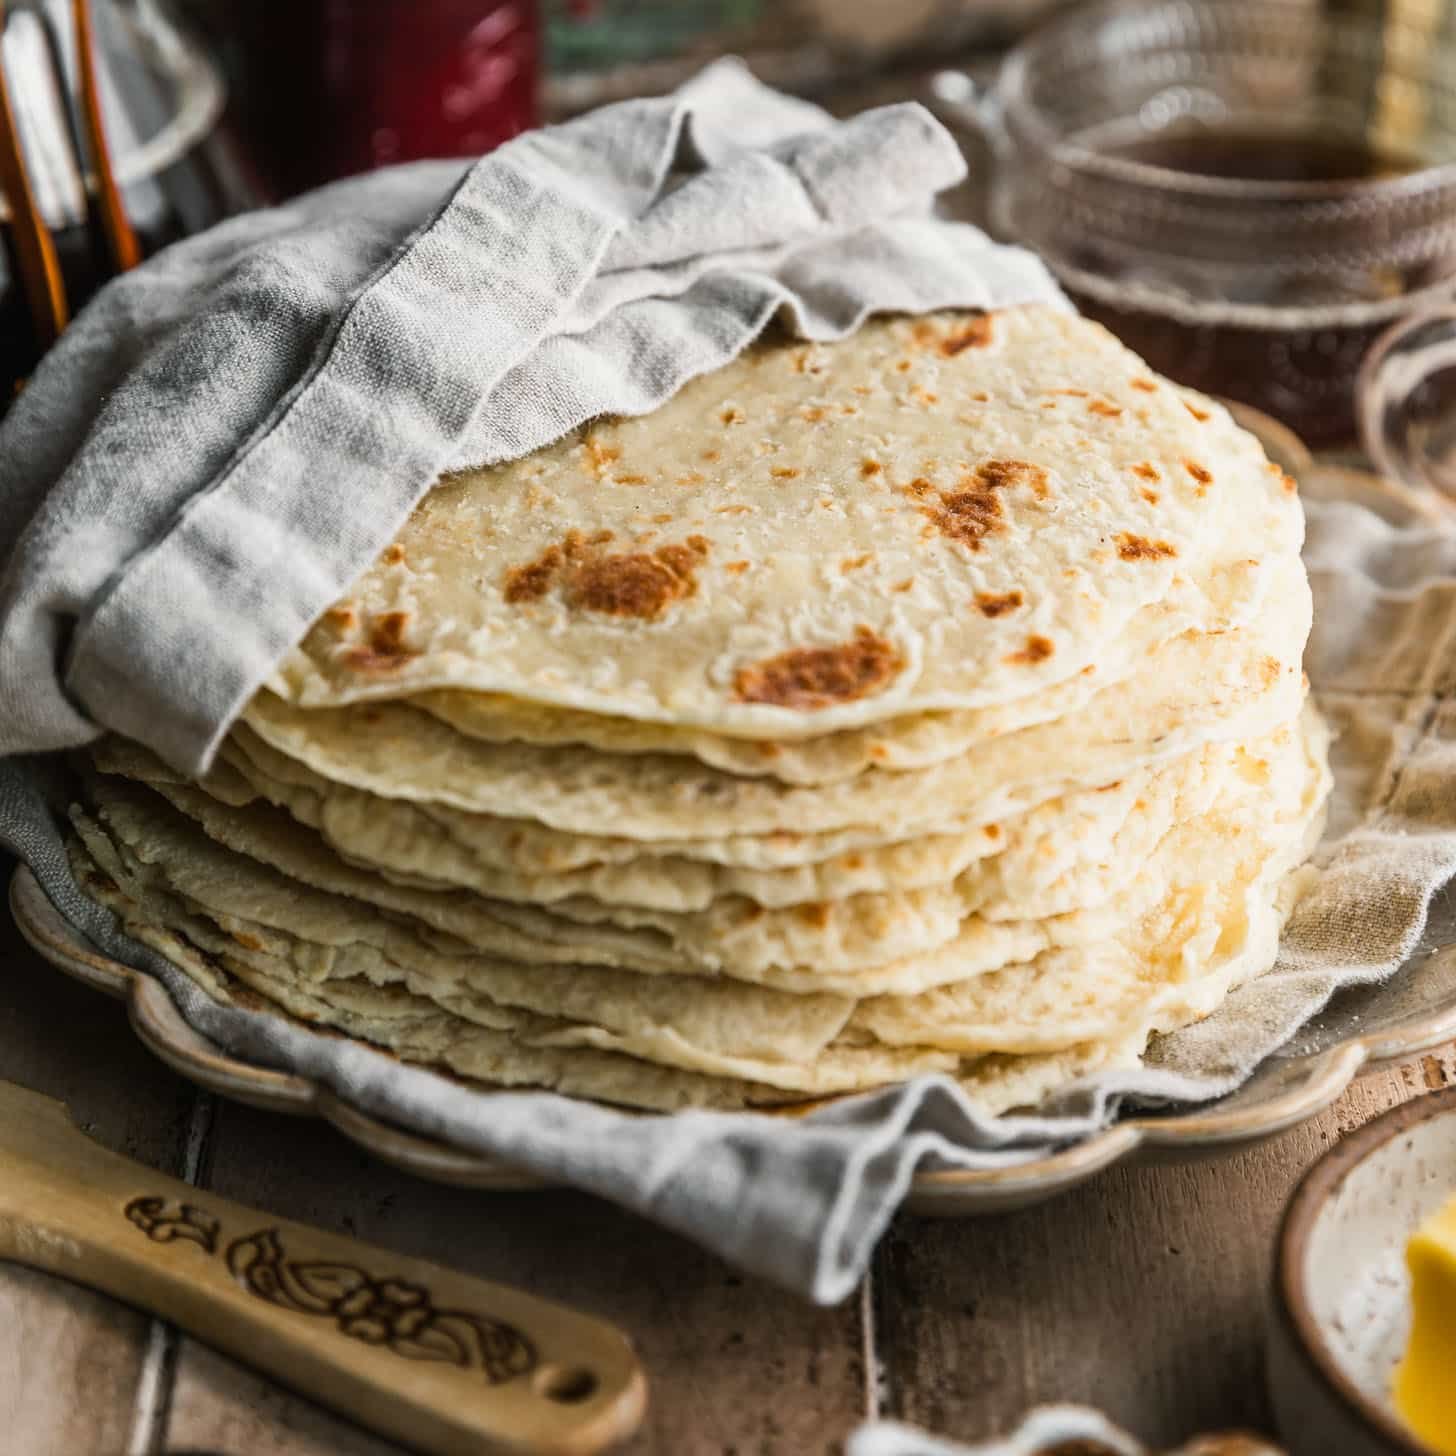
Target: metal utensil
{"points": [[37, 261]]}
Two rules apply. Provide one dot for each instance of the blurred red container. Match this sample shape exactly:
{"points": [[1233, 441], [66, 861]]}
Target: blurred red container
{"points": [[329, 88]]}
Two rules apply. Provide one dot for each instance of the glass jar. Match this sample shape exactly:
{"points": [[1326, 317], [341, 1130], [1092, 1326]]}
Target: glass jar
{"points": [[1248, 192], [328, 88]]}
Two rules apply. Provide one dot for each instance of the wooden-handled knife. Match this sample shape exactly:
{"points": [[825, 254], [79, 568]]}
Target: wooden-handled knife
{"points": [[443, 1363]]}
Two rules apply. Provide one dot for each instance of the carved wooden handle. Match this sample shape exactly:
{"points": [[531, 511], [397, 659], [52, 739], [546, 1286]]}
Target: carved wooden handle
{"points": [[445, 1363]]}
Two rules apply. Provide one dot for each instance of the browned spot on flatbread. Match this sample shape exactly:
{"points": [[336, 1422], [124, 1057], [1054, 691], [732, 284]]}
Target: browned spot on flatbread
{"points": [[733, 416], [711, 455], [853, 861], [996, 604], [902, 366], [687, 557], [1139, 548], [1037, 649], [980, 396], [815, 914], [968, 516], [1008, 474], [385, 648], [247, 941], [532, 580], [736, 568], [1288, 482], [1198, 414], [1104, 407], [625, 584], [809, 678], [1146, 385], [814, 413], [903, 586], [785, 472], [630, 479], [393, 554], [1151, 496], [869, 467], [599, 454], [1200, 473], [692, 477], [973, 512], [386, 634], [920, 486], [991, 831], [976, 333], [853, 563], [635, 584], [1147, 471], [341, 617]]}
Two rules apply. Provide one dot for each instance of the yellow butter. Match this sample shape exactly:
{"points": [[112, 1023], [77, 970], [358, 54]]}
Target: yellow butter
{"points": [[1425, 1380]]}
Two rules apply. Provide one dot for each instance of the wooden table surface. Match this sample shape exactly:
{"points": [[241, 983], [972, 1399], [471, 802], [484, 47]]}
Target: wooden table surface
{"points": [[1140, 1293]]}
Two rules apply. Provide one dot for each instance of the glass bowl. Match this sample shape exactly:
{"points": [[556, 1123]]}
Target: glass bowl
{"points": [[1249, 192]]}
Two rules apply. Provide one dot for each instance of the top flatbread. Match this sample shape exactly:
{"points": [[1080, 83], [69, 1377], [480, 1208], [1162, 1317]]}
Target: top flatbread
{"points": [[941, 513]]}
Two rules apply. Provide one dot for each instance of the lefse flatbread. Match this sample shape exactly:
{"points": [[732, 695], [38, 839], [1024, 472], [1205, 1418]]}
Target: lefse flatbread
{"points": [[927, 702]]}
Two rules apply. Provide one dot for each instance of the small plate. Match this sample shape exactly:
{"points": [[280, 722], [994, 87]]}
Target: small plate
{"points": [[1340, 1313], [1397, 1019]]}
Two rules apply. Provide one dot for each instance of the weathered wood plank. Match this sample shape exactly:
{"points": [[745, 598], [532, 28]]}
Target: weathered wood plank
{"points": [[60, 1340], [1141, 1293], [734, 1365], [217, 1405]]}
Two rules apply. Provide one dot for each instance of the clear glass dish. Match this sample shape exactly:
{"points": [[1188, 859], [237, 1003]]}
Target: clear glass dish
{"points": [[1335, 220]]}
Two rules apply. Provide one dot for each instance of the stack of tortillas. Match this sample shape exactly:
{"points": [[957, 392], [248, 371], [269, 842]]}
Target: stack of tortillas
{"points": [[925, 702]]}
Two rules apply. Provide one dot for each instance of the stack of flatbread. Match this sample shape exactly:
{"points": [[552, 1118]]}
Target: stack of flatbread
{"points": [[925, 702]]}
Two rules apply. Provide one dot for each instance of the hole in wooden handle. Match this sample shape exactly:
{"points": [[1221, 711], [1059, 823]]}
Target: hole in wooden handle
{"points": [[566, 1384]]}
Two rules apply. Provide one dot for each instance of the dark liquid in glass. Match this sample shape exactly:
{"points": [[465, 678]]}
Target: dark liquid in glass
{"points": [[1267, 156], [1304, 376]]}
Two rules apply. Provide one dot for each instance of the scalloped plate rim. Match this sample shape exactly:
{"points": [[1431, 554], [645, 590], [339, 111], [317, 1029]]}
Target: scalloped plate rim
{"points": [[950, 1191]]}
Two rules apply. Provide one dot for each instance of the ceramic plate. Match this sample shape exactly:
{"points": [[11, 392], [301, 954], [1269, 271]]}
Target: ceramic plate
{"points": [[1400, 1018], [1339, 1318], [1363, 1026]]}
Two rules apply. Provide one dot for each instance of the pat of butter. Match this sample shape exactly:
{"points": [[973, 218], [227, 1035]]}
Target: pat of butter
{"points": [[1425, 1390]]}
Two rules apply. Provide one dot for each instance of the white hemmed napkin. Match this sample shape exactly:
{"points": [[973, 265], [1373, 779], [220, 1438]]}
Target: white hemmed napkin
{"points": [[226, 437]]}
